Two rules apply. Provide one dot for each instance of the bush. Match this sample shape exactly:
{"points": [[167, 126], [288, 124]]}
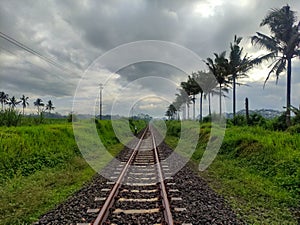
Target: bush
{"points": [[280, 123], [10, 117], [256, 119], [296, 119], [206, 119], [294, 129], [71, 117], [238, 120]]}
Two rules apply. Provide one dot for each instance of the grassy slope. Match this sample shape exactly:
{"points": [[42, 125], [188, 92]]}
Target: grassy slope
{"points": [[257, 170], [40, 166]]}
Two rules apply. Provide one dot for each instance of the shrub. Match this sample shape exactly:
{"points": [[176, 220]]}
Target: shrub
{"points": [[294, 129], [10, 117], [71, 117], [206, 119], [280, 122], [296, 119], [256, 119], [238, 120]]}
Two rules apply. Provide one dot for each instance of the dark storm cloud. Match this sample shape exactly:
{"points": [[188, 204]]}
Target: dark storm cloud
{"points": [[145, 69], [74, 33]]}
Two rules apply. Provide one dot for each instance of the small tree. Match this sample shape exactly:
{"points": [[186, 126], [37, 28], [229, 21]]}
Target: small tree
{"points": [[24, 101], [39, 103], [3, 98], [50, 106], [12, 102]]}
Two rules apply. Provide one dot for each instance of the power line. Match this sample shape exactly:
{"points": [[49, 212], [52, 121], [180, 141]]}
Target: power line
{"points": [[32, 51], [38, 66]]}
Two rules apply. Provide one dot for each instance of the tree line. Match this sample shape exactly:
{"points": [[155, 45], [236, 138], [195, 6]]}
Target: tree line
{"points": [[13, 102], [223, 73]]}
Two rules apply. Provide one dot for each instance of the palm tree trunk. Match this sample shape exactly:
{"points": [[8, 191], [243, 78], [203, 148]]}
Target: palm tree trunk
{"points": [[194, 104], [288, 93], [220, 99], [233, 92], [23, 110], [209, 109], [188, 111], [200, 105]]}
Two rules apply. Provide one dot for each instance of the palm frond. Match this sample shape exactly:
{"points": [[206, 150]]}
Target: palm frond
{"points": [[266, 57], [278, 67], [264, 41]]}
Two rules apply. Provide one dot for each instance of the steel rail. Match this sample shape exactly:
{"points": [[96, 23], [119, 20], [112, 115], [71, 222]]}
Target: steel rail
{"points": [[165, 201], [110, 199]]}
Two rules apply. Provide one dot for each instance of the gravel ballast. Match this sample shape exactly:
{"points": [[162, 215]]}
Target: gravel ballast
{"points": [[193, 201]]}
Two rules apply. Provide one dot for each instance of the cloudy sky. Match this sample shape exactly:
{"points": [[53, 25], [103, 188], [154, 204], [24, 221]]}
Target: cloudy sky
{"points": [[92, 42]]}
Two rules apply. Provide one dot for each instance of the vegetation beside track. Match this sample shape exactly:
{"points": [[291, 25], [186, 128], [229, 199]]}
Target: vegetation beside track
{"points": [[40, 166], [257, 171]]}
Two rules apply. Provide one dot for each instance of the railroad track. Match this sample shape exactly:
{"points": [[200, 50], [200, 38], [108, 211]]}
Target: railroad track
{"points": [[140, 193]]}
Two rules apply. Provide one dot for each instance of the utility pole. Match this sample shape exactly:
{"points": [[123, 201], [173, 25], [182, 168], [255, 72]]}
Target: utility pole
{"points": [[247, 110], [100, 108]]}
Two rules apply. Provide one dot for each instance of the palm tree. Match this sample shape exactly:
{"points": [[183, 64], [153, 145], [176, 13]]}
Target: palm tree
{"points": [[50, 106], [183, 98], [192, 89], [209, 83], [12, 102], [168, 114], [198, 78], [219, 68], [283, 45], [3, 98], [24, 101], [185, 94], [177, 106], [171, 112], [238, 66], [38, 103]]}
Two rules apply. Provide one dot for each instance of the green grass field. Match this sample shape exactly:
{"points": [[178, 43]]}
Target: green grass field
{"points": [[40, 166], [256, 170]]}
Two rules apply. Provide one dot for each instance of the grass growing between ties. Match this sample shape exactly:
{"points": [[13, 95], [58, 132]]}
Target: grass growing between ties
{"points": [[256, 170], [41, 166]]}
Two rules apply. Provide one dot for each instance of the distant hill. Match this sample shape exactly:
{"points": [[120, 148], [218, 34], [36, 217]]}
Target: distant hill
{"points": [[266, 113]]}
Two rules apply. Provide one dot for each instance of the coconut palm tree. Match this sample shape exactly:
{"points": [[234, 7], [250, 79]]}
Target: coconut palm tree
{"points": [[183, 98], [39, 103], [192, 89], [195, 89], [24, 101], [12, 102], [3, 98], [283, 45], [238, 66], [186, 94], [171, 112], [177, 106], [50, 106], [198, 78], [219, 67], [168, 113], [209, 83]]}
